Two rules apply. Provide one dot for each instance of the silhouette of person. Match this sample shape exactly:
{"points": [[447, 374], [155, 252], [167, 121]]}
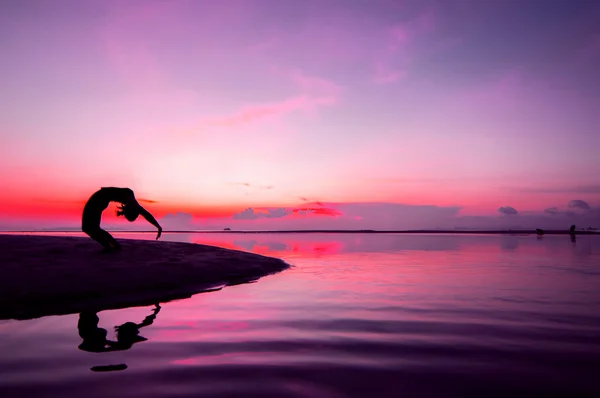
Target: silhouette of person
{"points": [[99, 201], [94, 337], [129, 333], [572, 233]]}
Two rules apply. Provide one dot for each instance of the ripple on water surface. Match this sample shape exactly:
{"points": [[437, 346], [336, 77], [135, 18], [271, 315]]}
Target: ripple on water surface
{"points": [[356, 316]]}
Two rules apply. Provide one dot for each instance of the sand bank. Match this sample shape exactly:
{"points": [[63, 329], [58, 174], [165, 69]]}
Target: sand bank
{"points": [[48, 275]]}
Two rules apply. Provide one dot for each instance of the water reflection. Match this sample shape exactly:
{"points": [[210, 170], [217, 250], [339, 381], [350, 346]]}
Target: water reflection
{"points": [[323, 245], [509, 242], [329, 243], [95, 338], [358, 315]]}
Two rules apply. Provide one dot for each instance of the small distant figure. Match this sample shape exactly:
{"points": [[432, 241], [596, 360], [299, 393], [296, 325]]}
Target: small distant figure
{"points": [[227, 229], [99, 201], [572, 233], [539, 231]]}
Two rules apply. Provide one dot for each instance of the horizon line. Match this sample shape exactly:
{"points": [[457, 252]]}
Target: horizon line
{"points": [[346, 231]]}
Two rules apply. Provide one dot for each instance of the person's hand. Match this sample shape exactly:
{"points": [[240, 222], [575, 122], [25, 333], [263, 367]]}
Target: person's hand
{"points": [[159, 233]]}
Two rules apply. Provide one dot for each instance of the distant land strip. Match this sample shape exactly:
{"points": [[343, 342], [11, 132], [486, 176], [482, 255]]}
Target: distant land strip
{"points": [[338, 231]]}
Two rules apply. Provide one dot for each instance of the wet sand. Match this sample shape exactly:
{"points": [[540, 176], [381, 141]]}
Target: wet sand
{"points": [[48, 275]]}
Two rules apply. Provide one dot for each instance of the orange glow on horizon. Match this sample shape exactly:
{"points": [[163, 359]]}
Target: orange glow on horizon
{"points": [[71, 209]]}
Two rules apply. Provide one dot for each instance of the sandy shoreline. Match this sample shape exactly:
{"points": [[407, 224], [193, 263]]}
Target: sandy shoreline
{"points": [[50, 275]]}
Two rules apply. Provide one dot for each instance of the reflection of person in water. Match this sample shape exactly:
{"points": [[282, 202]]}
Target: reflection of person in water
{"points": [[129, 333], [94, 337], [99, 201]]}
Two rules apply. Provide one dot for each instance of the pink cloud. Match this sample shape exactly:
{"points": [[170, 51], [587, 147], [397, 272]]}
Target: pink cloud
{"points": [[315, 85], [385, 76], [394, 216], [254, 213], [314, 92], [399, 47], [319, 211], [255, 112]]}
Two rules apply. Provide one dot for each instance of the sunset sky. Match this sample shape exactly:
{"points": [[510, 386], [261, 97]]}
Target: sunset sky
{"points": [[387, 114]]}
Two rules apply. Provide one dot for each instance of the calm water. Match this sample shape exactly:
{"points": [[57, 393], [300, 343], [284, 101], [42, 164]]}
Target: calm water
{"points": [[357, 315]]}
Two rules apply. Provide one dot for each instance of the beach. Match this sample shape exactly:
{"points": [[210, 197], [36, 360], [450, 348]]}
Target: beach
{"points": [[49, 275]]}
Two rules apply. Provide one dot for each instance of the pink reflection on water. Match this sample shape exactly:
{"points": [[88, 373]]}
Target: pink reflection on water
{"points": [[225, 358], [274, 244], [395, 279], [356, 280]]}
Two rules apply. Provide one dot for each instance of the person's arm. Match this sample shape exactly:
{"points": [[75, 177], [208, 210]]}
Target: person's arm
{"points": [[150, 218], [130, 200], [150, 318]]}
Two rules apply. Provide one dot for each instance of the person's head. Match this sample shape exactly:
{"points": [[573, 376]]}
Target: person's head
{"points": [[129, 212]]}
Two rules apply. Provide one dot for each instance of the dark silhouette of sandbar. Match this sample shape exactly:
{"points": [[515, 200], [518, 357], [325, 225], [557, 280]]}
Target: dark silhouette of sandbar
{"points": [[49, 275]]}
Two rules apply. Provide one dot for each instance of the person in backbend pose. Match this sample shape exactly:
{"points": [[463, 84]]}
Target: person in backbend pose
{"points": [[98, 202]]}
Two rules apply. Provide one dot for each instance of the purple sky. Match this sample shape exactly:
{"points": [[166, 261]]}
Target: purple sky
{"points": [[211, 108]]}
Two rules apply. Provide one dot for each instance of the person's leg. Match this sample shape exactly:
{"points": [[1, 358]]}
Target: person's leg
{"points": [[90, 224], [96, 233], [109, 238]]}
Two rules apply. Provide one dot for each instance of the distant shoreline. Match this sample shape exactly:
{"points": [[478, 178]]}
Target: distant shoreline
{"points": [[338, 231]]}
